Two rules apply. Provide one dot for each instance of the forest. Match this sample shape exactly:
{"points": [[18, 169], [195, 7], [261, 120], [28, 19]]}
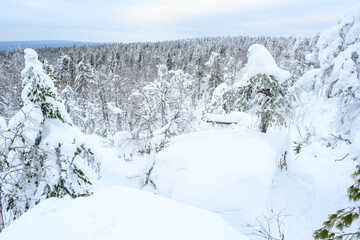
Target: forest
{"points": [[262, 131]]}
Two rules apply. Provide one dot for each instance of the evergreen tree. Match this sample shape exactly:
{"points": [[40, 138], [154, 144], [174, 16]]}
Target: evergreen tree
{"points": [[32, 168], [3, 102], [216, 71], [84, 83], [343, 218], [264, 96]]}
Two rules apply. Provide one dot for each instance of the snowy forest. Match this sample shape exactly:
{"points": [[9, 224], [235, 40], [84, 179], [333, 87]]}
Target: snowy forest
{"points": [[205, 138]]}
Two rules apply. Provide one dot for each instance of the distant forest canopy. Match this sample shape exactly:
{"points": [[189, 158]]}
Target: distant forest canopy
{"points": [[10, 45], [98, 82]]}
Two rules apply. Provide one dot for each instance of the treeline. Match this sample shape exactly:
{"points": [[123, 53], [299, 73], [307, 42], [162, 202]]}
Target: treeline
{"points": [[101, 85]]}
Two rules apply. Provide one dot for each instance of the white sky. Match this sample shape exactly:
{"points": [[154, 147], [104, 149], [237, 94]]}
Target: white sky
{"points": [[156, 20]]}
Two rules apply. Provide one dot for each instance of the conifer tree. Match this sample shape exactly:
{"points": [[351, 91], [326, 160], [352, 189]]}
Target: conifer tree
{"points": [[32, 168], [343, 218], [264, 96]]}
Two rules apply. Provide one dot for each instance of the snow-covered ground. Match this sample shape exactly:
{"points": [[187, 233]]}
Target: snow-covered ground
{"points": [[254, 181], [232, 172], [118, 213], [236, 174]]}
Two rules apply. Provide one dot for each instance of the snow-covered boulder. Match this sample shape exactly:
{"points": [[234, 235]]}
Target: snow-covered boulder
{"points": [[238, 175], [118, 213], [219, 170]]}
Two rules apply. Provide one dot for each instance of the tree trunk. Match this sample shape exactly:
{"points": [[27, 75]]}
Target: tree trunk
{"points": [[264, 124], [2, 225]]}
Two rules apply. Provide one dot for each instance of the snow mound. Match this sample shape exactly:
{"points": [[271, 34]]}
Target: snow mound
{"points": [[204, 169], [118, 213], [260, 61]]}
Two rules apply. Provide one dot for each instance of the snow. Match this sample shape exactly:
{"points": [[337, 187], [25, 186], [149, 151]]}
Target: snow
{"points": [[260, 61], [337, 78], [124, 144], [339, 37], [218, 93], [243, 120], [236, 174], [33, 69], [204, 169], [118, 213], [36, 80], [30, 117], [3, 124]]}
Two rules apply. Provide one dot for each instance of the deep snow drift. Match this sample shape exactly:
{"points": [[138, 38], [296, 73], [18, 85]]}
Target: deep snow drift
{"points": [[211, 169], [236, 173], [118, 213]]}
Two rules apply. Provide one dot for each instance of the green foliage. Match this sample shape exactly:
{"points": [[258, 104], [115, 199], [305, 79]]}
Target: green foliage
{"points": [[343, 218], [39, 95], [297, 147], [70, 171], [264, 96]]}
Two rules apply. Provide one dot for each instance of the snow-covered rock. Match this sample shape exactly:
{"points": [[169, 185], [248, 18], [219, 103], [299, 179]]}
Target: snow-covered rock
{"points": [[219, 170], [118, 213], [236, 174]]}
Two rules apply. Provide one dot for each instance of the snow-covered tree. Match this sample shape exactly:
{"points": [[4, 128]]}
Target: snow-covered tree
{"points": [[216, 71], [337, 79], [263, 90], [36, 162], [65, 70], [39, 90], [166, 108], [84, 116]]}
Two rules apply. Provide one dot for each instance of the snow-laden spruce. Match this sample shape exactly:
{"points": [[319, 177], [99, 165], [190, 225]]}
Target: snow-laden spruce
{"points": [[39, 89], [260, 61], [337, 53], [119, 213], [333, 88], [262, 90], [38, 160]]}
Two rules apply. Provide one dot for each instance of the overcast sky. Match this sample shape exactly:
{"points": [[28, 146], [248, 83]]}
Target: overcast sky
{"points": [[156, 20]]}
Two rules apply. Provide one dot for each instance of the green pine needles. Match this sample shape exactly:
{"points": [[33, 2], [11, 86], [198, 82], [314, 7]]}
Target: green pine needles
{"points": [[40, 95], [263, 95], [343, 218]]}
